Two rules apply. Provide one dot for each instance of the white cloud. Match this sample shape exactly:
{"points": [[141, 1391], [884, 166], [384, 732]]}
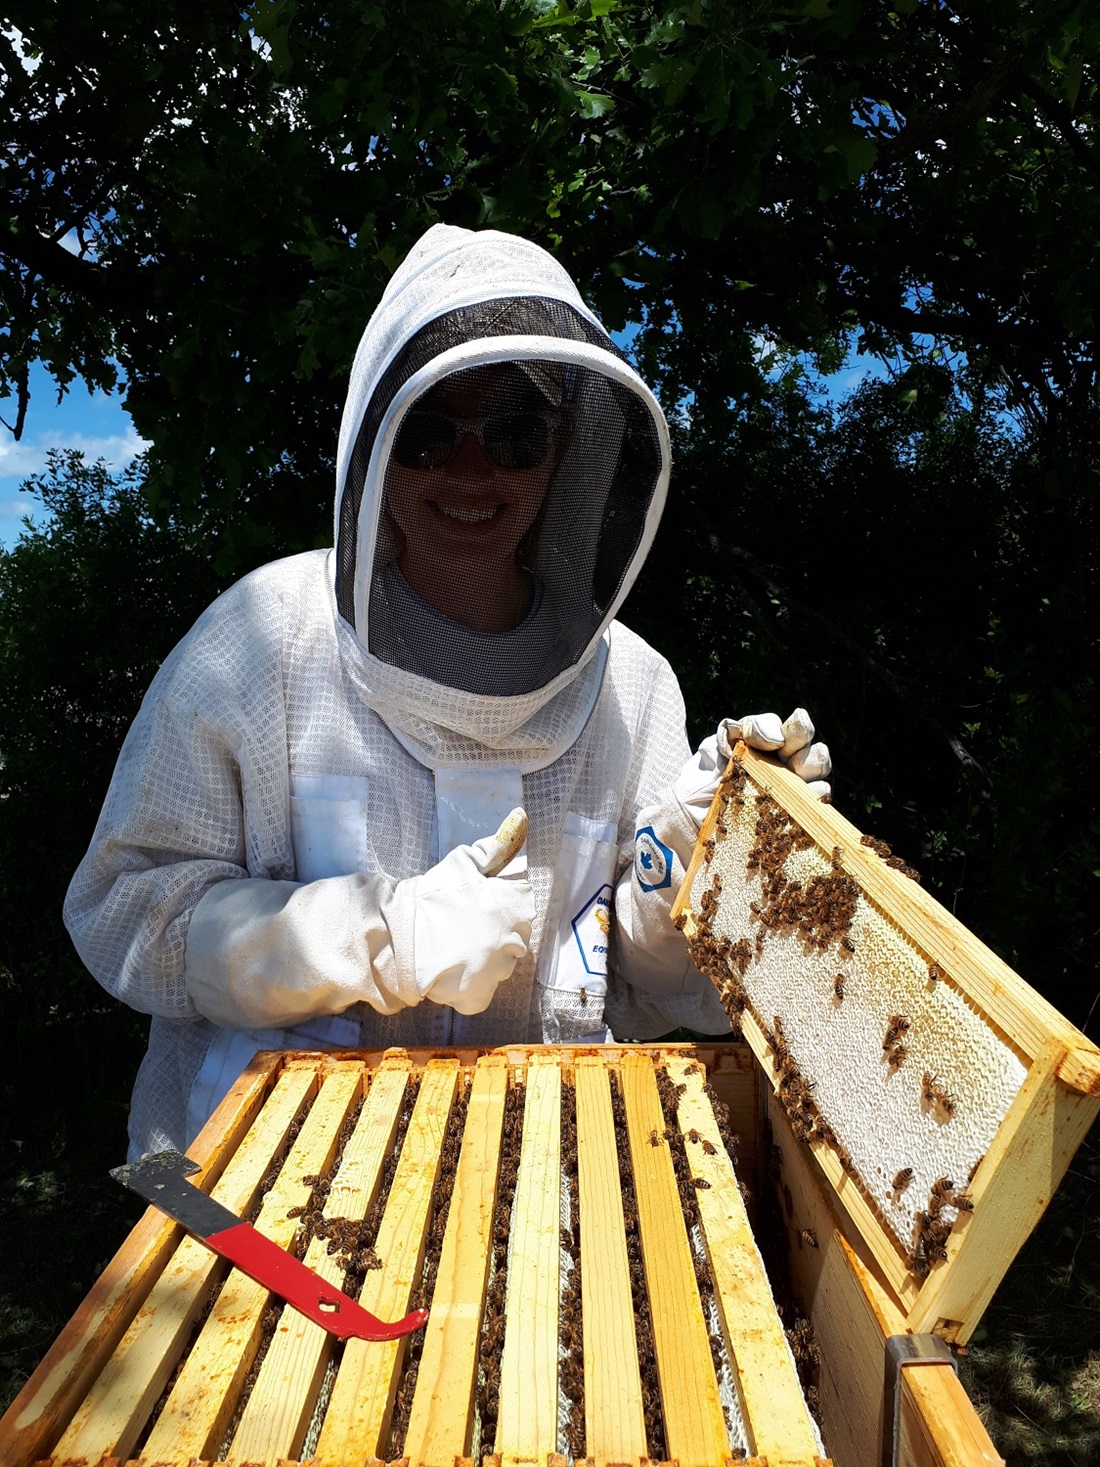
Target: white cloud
{"points": [[19, 460], [15, 506]]}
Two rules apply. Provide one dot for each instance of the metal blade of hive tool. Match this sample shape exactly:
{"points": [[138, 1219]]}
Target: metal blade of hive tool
{"points": [[161, 1178]]}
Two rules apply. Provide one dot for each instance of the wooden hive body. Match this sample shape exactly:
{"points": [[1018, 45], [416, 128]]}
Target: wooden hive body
{"points": [[484, 1178], [455, 1163]]}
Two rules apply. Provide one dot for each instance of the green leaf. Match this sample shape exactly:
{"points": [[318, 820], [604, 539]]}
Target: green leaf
{"points": [[594, 104]]}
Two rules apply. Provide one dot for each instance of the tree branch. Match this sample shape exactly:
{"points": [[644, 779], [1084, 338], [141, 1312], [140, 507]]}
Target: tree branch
{"points": [[1056, 112], [23, 397], [56, 265]]}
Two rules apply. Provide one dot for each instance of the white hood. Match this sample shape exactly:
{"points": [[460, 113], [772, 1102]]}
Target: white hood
{"points": [[463, 299]]}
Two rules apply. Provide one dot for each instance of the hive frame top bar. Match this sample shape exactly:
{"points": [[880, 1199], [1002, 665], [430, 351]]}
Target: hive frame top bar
{"points": [[1045, 1123]]}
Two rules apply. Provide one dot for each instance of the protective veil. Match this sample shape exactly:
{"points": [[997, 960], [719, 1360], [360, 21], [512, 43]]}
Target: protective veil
{"points": [[325, 734]]}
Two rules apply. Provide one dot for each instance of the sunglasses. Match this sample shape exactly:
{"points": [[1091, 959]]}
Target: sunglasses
{"points": [[519, 440]]}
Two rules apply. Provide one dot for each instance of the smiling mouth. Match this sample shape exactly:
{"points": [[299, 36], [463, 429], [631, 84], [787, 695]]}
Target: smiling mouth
{"points": [[467, 515]]}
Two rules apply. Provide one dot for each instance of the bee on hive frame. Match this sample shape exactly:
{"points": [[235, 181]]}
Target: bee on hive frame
{"points": [[903, 1178], [898, 1025]]}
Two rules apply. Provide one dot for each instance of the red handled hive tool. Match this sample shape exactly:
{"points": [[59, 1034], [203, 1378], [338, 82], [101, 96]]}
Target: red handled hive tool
{"points": [[161, 1178]]}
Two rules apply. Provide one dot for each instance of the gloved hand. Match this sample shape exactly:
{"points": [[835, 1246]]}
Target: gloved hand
{"points": [[792, 741], [472, 920], [277, 953]]}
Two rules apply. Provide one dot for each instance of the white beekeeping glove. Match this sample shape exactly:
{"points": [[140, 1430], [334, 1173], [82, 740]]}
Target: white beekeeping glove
{"points": [[472, 920], [276, 953], [790, 739]]}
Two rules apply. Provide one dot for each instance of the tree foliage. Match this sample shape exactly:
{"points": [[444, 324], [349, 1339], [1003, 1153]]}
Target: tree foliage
{"points": [[212, 197]]}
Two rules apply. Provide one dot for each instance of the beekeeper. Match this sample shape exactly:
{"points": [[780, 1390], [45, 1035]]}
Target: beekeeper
{"points": [[306, 840]]}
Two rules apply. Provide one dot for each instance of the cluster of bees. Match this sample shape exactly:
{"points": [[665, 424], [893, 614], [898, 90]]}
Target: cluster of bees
{"points": [[880, 848], [719, 959], [820, 911], [493, 1319], [807, 1359], [938, 1099], [730, 790], [893, 1045], [796, 1095], [349, 1238], [571, 1368], [643, 1319], [932, 1229]]}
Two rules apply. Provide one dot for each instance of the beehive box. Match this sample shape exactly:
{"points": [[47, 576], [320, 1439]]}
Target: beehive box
{"points": [[574, 1220], [571, 1217]]}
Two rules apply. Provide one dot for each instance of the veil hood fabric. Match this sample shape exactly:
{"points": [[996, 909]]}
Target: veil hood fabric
{"points": [[465, 299]]}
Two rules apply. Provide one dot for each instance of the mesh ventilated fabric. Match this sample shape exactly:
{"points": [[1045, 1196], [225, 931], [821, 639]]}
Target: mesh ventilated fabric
{"points": [[272, 692], [461, 300]]}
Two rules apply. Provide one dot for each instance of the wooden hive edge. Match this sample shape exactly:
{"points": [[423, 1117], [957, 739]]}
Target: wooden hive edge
{"points": [[551, 1460]]}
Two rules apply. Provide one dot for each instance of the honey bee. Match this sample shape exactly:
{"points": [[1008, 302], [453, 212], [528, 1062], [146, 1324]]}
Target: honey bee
{"points": [[934, 1094], [709, 1148], [654, 1139], [903, 1178], [898, 1026], [838, 987], [935, 972], [847, 944], [693, 1135], [809, 1237], [942, 1187], [963, 1202], [584, 995], [896, 1057], [780, 1047], [701, 1184]]}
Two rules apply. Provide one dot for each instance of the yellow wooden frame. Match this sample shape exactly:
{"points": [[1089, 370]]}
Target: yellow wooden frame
{"points": [[1044, 1125]]}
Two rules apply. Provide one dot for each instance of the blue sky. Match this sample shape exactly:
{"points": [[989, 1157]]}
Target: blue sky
{"points": [[94, 422]]}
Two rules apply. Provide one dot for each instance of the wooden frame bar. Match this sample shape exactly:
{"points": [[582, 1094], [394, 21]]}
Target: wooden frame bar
{"points": [[358, 1417], [527, 1423], [695, 1426], [772, 1404], [614, 1421], [439, 1425]]}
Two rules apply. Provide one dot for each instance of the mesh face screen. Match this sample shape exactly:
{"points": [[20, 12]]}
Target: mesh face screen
{"points": [[513, 505]]}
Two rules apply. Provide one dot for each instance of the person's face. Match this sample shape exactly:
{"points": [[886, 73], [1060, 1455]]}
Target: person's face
{"points": [[477, 467]]}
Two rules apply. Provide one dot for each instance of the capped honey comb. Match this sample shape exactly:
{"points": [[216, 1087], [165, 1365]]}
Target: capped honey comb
{"points": [[902, 1050]]}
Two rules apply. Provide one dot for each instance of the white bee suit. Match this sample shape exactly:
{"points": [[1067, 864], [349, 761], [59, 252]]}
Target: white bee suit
{"points": [[289, 768]]}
